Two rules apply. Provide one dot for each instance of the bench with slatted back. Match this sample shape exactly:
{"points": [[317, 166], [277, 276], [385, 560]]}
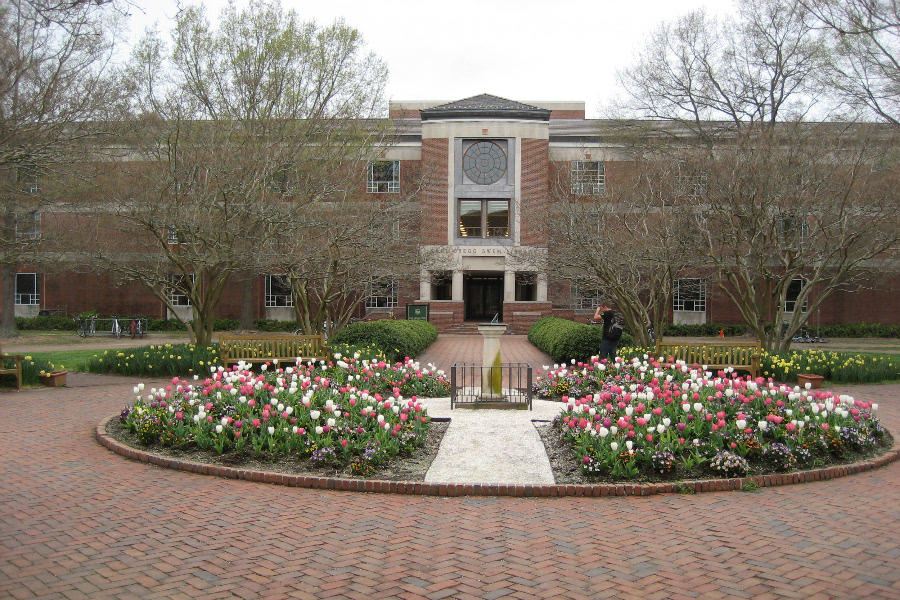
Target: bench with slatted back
{"points": [[265, 348], [16, 369], [715, 355]]}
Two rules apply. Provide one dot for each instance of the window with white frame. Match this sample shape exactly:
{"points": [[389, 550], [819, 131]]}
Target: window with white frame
{"points": [[27, 292], [691, 182], [793, 229], [177, 289], [793, 293], [382, 292], [278, 291], [585, 297], [689, 295], [173, 234], [28, 226], [384, 177], [29, 179], [588, 177]]}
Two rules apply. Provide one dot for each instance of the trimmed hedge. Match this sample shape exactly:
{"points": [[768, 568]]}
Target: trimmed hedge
{"points": [[566, 340], [397, 339], [841, 330], [704, 330]]}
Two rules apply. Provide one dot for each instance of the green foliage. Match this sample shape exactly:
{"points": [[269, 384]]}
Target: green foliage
{"points": [[566, 340], [837, 367], [841, 330], [396, 338], [857, 330], [704, 330], [164, 360], [32, 369]]}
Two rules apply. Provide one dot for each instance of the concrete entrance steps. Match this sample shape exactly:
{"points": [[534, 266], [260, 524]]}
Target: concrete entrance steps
{"points": [[490, 445]]}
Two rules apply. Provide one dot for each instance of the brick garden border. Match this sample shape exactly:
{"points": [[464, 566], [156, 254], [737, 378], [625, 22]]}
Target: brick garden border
{"points": [[422, 488]]}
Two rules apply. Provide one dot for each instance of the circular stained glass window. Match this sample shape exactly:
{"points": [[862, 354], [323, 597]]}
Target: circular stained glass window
{"points": [[484, 162]]}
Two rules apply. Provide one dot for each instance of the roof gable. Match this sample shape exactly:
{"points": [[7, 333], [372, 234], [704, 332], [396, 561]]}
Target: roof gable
{"points": [[486, 105]]}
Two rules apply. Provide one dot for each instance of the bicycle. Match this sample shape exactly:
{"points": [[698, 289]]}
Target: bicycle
{"points": [[86, 327], [137, 328], [116, 330], [805, 337]]}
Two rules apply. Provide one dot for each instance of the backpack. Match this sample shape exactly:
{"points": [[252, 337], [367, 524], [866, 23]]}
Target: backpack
{"points": [[616, 327]]}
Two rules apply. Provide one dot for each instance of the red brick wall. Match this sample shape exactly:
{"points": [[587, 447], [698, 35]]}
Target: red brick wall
{"points": [[535, 192], [445, 314], [520, 316], [404, 113], [567, 114], [435, 154]]}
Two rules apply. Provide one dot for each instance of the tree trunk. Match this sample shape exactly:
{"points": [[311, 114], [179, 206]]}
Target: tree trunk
{"points": [[8, 310], [246, 319]]}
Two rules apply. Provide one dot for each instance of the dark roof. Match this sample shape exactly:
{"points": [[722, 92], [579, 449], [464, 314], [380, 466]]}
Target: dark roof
{"points": [[486, 105]]}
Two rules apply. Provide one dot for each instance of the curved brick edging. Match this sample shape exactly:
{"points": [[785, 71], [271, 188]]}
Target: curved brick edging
{"points": [[422, 488]]}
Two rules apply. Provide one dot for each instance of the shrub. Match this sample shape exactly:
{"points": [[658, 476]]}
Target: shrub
{"points": [[397, 339], [565, 340]]}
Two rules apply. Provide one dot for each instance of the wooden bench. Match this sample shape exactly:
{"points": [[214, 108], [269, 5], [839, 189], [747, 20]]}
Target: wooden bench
{"points": [[739, 355], [266, 347], [16, 369]]}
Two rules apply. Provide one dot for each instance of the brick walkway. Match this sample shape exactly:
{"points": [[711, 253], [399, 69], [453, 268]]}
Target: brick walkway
{"points": [[451, 348], [77, 521]]}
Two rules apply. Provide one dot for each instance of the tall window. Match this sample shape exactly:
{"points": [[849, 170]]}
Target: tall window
{"points": [[526, 287], [588, 177], [27, 289], [28, 226], [585, 297], [384, 177], [176, 290], [691, 182], [793, 293], [382, 293], [278, 291], [484, 218], [793, 229], [689, 295], [29, 179], [442, 285]]}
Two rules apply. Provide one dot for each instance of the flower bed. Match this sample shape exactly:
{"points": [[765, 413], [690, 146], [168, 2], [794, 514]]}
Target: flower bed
{"points": [[667, 421], [351, 413]]}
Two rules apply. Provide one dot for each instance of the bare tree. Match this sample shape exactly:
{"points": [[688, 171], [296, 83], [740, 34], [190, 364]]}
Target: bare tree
{"points": [[790, 212], [865, 40], [793, 215], [629, 241], [710, 75], [244, 130], [57, 92], [338, 252]]}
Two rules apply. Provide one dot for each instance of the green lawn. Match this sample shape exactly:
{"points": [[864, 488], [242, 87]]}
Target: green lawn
{"points": [[69, 360]]}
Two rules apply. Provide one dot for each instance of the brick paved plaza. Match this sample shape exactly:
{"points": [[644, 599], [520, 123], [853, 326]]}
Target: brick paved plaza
{"points": [[77, 521]]}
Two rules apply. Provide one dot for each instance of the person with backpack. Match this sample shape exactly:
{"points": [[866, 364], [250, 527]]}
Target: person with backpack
{"points": [[613, 326]]}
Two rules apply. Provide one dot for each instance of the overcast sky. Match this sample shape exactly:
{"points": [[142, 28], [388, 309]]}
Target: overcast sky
{"points": [[523, 50]]}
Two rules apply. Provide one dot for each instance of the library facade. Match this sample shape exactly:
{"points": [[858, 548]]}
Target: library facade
{"points": [[488, 164]]}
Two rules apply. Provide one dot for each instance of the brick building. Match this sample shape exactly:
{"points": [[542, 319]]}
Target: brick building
{"points": [[488, 164]]}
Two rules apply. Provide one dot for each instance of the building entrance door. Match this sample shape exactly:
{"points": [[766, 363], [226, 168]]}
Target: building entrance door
{"points": [[483, 296]]}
